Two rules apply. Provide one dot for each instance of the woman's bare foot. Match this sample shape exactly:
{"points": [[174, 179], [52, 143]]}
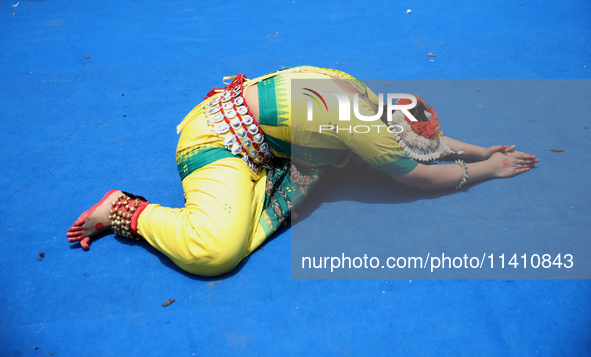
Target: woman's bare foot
{"points": [[94, 221]]}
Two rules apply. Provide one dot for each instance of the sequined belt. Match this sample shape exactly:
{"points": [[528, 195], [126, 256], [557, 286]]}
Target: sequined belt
{"points": [[229, 114]]}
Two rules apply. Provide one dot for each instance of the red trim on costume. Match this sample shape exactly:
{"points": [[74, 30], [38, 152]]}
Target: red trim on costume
{"points": [[136, 215], [213, 92]]}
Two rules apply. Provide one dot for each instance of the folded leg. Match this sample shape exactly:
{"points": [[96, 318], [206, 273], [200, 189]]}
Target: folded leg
{"points": [[212, 233]]}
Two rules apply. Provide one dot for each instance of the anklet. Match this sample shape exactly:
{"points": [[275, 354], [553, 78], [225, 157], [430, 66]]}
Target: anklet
{"points": [[465, 177], [124, 214]]}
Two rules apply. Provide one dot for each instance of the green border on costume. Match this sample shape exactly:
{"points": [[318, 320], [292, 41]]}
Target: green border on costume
{"points": [[283, 148], [265, 226], [282, 101], [195, 161], [398, 168], [267, 102]]}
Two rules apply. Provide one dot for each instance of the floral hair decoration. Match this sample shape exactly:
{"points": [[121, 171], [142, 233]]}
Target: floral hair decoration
{"points": [[422, 139]]}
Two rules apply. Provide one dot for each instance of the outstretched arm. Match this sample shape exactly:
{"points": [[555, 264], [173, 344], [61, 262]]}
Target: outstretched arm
{"points": [[474, 152], [498, 165]]}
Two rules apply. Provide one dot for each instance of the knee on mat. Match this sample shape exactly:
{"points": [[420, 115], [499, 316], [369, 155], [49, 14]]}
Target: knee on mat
{"points": [[214, 261]]}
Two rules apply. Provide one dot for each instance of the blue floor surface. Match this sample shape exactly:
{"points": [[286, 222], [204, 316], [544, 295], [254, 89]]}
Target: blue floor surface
{"points": [[91, 93]]}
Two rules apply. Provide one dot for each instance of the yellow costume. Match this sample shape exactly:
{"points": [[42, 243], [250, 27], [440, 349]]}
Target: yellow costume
{"points": [[230, 208]]}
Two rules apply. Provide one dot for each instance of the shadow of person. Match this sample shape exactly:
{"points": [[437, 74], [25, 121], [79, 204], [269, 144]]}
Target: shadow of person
{"points": [[359, 182]]}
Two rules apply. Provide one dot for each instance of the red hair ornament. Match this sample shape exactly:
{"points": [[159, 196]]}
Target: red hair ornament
{"points": [[422, 139]]}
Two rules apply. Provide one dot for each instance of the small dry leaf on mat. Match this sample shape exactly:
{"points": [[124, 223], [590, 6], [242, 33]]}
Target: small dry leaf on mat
{"points": [[168, 302]]}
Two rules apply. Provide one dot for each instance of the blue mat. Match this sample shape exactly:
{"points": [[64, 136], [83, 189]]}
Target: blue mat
{"points": [[91, 94]]}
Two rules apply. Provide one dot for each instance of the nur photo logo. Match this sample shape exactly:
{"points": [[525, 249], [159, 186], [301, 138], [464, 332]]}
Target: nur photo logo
{"points": [[344, 109]]}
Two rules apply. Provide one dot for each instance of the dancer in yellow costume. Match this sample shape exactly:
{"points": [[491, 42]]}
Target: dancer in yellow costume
{"points": [[249, 154]]}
